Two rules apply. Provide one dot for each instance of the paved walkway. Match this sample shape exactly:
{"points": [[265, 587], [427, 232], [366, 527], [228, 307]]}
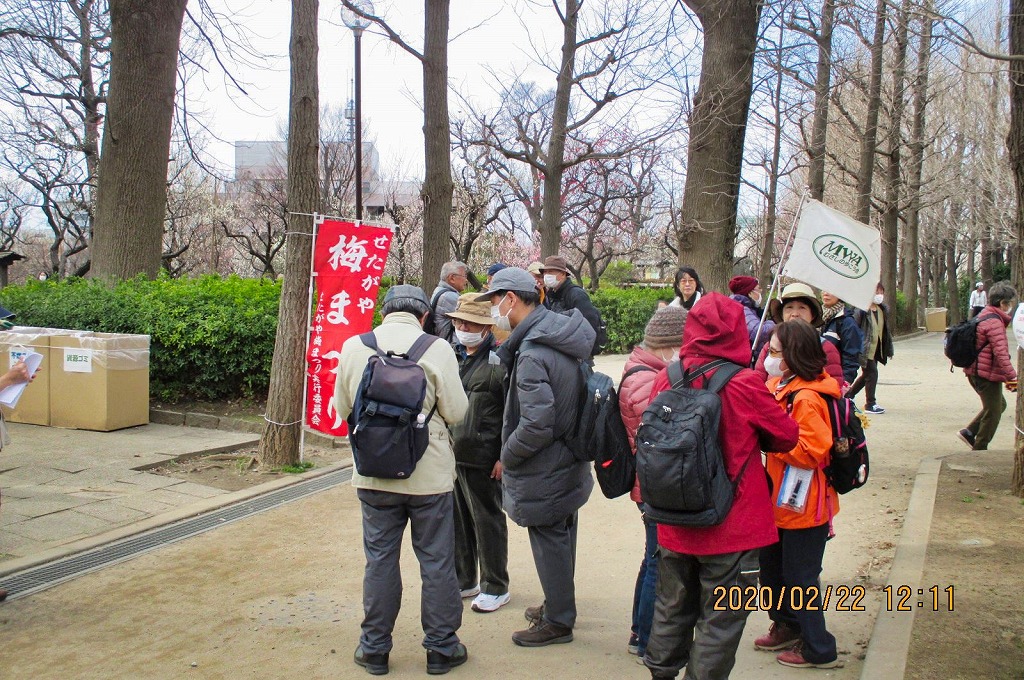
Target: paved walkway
{"points": [[278, 594]]}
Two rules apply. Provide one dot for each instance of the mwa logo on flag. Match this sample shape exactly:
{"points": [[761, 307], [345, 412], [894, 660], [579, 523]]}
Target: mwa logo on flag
{"points": [[836, 253]]}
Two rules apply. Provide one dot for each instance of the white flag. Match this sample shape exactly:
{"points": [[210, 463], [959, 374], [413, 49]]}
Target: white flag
{"points": [[836, 253]]}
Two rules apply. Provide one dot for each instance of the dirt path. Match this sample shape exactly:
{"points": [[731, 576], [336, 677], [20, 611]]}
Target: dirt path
{"points": [[278, 595]]}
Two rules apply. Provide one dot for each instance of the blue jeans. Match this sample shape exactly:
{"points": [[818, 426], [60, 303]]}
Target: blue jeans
{"points": [[645, 592]]}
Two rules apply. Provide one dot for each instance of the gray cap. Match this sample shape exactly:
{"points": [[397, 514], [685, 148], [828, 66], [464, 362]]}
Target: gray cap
{"points": [[510, 279], [404, 291]]}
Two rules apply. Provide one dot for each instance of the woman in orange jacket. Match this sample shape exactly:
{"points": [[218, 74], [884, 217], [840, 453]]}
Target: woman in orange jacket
{"points": [[803, 501]]}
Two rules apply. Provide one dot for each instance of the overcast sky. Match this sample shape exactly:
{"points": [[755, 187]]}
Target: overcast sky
{"points": [[392, 82]]}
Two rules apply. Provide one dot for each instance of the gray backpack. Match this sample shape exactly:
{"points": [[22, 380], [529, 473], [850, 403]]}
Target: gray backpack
{"points": [[679, 462]]}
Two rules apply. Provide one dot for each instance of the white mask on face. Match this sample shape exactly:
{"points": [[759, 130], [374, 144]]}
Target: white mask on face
{"points": [[878, 299], [501, 321], [467, 339], [774, 366], [550, 280]]}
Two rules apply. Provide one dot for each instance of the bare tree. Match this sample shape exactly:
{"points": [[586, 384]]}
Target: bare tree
{"points": [[131, 196], [718, 126], [869, 141], [1015, 147], [279, 444], [258, 223]]}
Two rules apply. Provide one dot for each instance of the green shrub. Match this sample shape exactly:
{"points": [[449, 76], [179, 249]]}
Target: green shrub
{"points": [[626, 312], [210, 338]]}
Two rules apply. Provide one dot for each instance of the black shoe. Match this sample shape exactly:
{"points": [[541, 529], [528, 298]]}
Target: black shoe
{"points": [[967, 436], [375, 664], [542, 634], [439, 664]]}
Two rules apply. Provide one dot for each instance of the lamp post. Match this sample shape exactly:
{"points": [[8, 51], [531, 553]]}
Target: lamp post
{"points": [[358, 24]]}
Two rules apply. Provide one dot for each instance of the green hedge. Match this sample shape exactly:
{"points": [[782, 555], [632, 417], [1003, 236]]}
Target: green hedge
{"points": [[213, 338], [210, 338]]}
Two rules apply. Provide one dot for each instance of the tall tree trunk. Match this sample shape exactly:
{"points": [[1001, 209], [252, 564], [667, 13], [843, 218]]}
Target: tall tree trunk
{"points": [[132, 188], [1015, 148], [772, 207], [951, 282], [912, 242], [437, 184], [866, 173], [280, 442], [551, 214], [893, 179], [717, 131], [822, 87]]}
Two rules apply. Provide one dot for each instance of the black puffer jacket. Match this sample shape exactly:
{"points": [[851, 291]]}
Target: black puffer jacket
{"points": [[542, 481], [568, 297], [476, 440]]}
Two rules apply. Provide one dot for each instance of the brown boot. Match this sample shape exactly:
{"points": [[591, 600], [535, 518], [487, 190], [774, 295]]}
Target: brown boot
{"points": [[542, 634], [780, 636], [534, 614]]}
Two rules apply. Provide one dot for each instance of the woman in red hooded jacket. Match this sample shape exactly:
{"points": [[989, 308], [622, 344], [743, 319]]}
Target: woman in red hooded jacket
{"points": [[993, 367], [689, 631], [803, 500]]}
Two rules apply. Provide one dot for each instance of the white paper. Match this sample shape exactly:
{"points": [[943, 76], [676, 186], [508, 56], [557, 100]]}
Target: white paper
{"points": [[796, 483], [9, 396], [1018, 325]]}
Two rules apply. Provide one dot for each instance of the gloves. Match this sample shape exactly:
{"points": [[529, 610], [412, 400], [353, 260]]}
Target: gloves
{"points": [[1011, 385]]}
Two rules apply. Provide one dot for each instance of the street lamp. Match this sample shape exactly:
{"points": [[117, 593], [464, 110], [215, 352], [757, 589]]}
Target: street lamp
{"points": [[358, 24]]}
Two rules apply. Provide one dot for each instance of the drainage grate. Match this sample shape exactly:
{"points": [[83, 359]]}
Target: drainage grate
{"points": [[47, 575]]}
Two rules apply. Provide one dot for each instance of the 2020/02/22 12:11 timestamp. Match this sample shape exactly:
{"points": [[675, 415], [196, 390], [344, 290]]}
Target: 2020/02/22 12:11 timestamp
{"points": [[902, 598]]}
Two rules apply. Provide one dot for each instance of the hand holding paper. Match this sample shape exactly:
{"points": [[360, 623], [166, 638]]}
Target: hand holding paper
{"points": [[13, 382]]}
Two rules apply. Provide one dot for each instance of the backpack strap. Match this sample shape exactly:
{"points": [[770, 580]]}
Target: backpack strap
{"points": [[676, 374], [636, 369]]}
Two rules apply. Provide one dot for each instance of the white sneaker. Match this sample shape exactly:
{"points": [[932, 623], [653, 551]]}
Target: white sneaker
{"points": [[470, 592], [488, 603]]}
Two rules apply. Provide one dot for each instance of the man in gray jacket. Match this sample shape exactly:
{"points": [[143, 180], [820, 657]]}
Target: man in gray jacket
{"points": [[454, 280], [544, 485], [423, 500]]}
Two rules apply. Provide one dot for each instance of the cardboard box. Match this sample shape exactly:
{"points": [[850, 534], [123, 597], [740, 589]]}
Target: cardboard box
{"points": [[34, 405], [99, 381], [935, 319]]}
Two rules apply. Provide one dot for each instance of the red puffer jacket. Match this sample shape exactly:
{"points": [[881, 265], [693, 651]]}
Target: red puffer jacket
{"points": [[751, 423], [994, 361], [635, 394]]}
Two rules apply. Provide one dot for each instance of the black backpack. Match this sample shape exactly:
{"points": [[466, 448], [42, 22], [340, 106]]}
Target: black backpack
{"points": [[387, 428], [960, 344], [683, 480], [848, 465], [430, 325], [599, 434]]}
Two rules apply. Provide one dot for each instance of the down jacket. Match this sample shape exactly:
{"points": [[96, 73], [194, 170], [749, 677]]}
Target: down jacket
{"points": [[542, 482], [845, 334], [569, 296], [750, 423], [476, 439], [752, 313], [994, 361], [811, 452], [635, 395]]}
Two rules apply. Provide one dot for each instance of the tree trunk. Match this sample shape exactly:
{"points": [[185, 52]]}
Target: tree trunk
{"points": [[865, 174], [822, 85], [437, 184], [132, 188], [1015, 148], [717, 130], [551, 214], [912, 241], [893, 179], [954, 292], [772, 208], [280, 442]]}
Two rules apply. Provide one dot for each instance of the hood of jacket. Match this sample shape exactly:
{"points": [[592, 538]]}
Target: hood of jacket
{"points": [[569, 333], [716, 329]]}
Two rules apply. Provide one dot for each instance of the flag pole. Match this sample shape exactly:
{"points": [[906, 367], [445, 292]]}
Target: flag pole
{"points": [[317, 220], [778, 270]]}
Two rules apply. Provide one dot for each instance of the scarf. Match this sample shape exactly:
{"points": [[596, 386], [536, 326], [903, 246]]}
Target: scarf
{"points": [[829, 313]]}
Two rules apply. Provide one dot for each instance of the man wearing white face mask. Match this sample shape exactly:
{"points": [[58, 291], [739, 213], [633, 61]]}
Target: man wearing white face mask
{"points": [[563, 296], [543, 484], [878, 348], [481, 533]]}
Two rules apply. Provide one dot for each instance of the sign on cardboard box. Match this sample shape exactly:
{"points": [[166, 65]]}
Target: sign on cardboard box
{"points": [[77, 360]]}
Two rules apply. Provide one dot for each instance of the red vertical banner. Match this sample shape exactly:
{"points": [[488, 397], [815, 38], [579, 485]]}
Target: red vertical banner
{"points": [[348, 261]]}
